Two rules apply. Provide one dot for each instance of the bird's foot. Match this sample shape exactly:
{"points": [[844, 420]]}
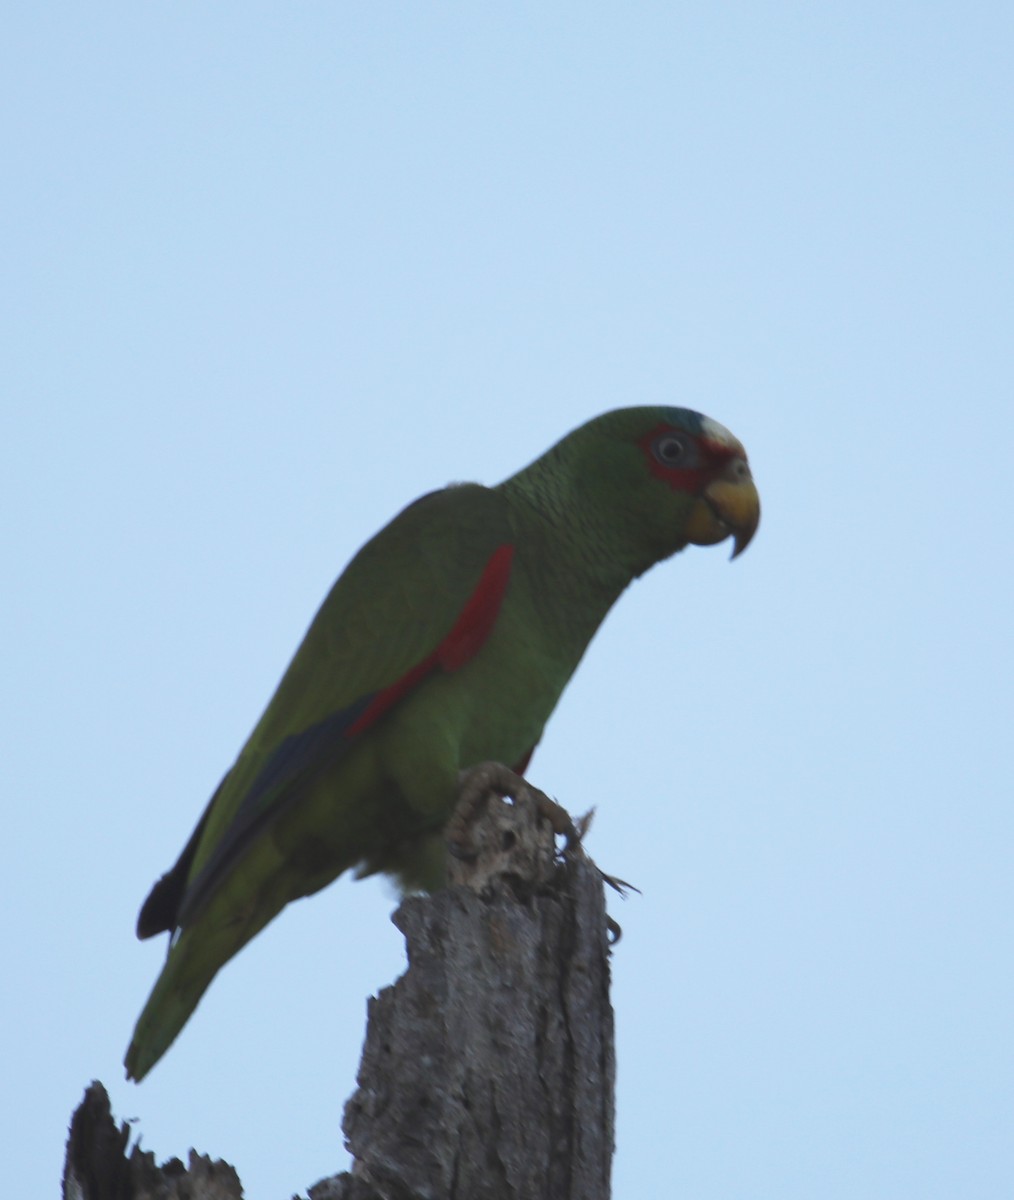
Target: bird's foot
{"points": [[503, 827], [477, 784], [487, 841]]}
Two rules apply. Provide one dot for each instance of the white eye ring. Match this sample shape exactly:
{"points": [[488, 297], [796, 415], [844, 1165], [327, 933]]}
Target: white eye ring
{"points": [[670, 449]]}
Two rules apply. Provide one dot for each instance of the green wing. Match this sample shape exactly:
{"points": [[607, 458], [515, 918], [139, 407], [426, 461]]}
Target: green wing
{"points": [[410, 602]]}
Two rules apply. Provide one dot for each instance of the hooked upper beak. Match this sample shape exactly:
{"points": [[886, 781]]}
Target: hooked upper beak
{"points": [[729, 504]]}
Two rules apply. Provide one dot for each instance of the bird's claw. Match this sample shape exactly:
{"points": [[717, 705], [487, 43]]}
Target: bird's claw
{"points": [[478, 782], [492, 778]]}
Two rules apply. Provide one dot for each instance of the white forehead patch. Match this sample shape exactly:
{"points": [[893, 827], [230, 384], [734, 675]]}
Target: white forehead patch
{"points": [[714, 432]]}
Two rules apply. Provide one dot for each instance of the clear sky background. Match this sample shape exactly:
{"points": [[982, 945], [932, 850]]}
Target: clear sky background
{"points": [[269, 272]]}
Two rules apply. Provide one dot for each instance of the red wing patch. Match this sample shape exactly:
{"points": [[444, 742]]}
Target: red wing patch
{"points": [[474, 625], [326, 740], [521, 766]]}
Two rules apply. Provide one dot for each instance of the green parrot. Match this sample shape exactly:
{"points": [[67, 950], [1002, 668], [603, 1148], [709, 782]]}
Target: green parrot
{"points": [[447, 641]]}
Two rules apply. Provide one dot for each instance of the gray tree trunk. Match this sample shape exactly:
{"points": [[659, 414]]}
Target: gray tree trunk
{"points": [[488, 1068]]}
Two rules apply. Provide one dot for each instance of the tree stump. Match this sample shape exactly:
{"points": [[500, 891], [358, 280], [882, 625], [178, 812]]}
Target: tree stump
{"points": [[488, 1069]]}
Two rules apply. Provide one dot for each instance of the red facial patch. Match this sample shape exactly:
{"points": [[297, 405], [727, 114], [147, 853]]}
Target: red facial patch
{"points": [[704, 457]]}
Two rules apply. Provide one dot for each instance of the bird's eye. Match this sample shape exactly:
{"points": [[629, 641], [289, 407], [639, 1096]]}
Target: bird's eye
{"points": [[670, 450]]}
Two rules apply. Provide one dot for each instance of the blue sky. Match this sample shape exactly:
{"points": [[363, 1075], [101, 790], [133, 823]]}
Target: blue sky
{"points": [[270, 272]]}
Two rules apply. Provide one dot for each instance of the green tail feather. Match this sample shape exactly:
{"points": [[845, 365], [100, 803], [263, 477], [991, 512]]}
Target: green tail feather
{"points": [[175, 996]]}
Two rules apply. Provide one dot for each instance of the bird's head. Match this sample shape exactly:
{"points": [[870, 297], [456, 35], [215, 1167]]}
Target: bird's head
{"points": [[696, 456], [671, 476]]}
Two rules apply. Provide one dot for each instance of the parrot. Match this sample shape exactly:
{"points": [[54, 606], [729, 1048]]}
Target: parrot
{"points": [[447, 641]]}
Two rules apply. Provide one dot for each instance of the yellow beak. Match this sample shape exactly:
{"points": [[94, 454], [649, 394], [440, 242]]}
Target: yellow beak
{"points": [[728, 505]]}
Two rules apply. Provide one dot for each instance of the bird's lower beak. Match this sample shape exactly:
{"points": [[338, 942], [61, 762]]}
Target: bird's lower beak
{"points": [[728, 505]]}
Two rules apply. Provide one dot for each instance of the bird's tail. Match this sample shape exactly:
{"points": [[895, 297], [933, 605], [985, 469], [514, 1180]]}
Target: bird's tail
{"points": [[231, 916], [177, 991], [196, 956]]}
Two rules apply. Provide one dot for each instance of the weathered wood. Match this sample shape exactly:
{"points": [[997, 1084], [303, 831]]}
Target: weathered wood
{"points": [[488, 1068], [98, 1166]]}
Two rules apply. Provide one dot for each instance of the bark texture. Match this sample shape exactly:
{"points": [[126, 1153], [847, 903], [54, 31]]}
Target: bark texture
{"points": [[99, 1167], [488, 1069]]}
